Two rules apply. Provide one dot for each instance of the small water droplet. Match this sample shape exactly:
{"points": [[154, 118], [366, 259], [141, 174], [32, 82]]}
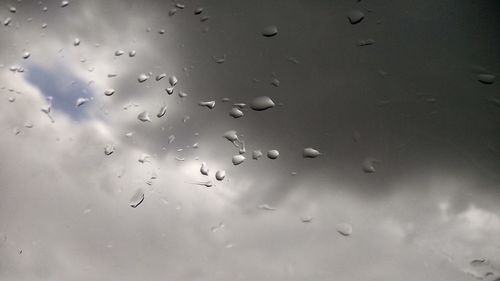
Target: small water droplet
{"points": [[208, 104], [109, 92], [486, 78], [162, 112], [64, 3], [208, 183], [240, 105], [275, 82], [76, 42], [219, 60], [143, 77], [217, 227], [235, 113], [366, 42], [161, 76], [137, 198], [144, 158], [7, 21], [266, 207], [238, 159], [45, 9], [306, 219], [12, 9], [109, 149], [26, 55], [270, 31], [172, 11], [28, 124], [170, 90], [180, 6], [81, 101], [204, 169], [344, 229], [132, 53], [119, 53], [111, 75], [44, 25], [273, 154], [198, 10], [262, 103], [256, 154], [310, 153], [220, 175], [355, 16], [204, 18], [369, 165], [144, 117], [172, 80], [12, 99]]}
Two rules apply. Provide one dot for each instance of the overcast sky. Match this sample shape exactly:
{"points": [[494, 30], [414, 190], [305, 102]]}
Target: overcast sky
{"points": [[410, 104]]}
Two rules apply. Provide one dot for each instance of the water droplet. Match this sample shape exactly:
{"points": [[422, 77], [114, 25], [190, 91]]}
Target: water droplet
{"points": [[256, 154], [12, 99], [172, 11], [235, 113], [119, 53], [76, 42], [109, 92], [28, 124], [273, 154], [7, 21], [366, 42], [306, 219], [180, 6], [45, 9], [12, 9], [198, 10], [238, 159], [111, 75], [355, 16], [137, 198], [208, 183], [132, 53], [172, 80], [217, 227], [240, 105], [270, 31], [369, 165], [170, 90], [266, 207], [44, 25], [275, 82], [208, 104], [81, 101], [109, 149], [204, 169], [477, 262], [186, 118], [344, 229], [310, 153], [26, 55], [219, 60], [225, 99], [261, 103], [486, 78], [142, 77], [144, 117], [144, 158], [220, 175], [231, 136], [161, 76], [161, 31], [162, 112], [64, 3], [204, 18]]}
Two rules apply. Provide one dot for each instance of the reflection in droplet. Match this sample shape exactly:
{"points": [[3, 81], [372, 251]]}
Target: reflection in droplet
{"points": [[486, 78], [76, 42], [204, 169], [235, 113], [144, 117], [355, 16], [137, 198], [208, 104], [172, 80], [256, 154], [270, 31], [273, 154], [26, 55], [81, 101], [344, 228], [266, 207], [238, 159], [109, 149], [220, 175], [368, 165], [261, 103], [310, 153], [142, 77], [162, 112]]}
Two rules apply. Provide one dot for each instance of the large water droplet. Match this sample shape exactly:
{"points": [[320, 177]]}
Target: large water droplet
{"points": [[162, 112], [109, 92], [238, 159], [220, 175], [344, 228], [310, 153], [143, 77], [81, 101], [64, 3], [172, 80], [261, 103], [355, 16], [137, 198], [270, 31], [76, 42], [208, 104], [26, 55], [486, 78], [144, 117], [109, 149], [273, 154], [204, 169], [235, 113]]}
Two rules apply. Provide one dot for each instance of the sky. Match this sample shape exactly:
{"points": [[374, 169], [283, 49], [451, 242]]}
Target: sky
{"points": [[408, 138]]}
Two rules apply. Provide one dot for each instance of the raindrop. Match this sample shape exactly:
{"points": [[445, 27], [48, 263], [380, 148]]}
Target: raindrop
{"points": [[26, 55], [142, 77], [144, 158], [137, 198], [204, 169], [368, 165], [172, 80], [161, 31], [64, 3], [172, 11], [240, 105], [7, 21], [109, 92], [310, 153], [12, 99], [12, 9], [198, 10], [261, 103], [204, 18], [344, 229], [219, 60], [170, 90], [81, 101], [208, 104], [486, 78], [44, 25], [270, 31], [161, 76], [132, 53], [162, 112], [266, 207], [144, 117], [45, 9], [196, 145], [238, 159], [109, 149], [366, 42], [273, 154], [119, 53], [256, 154], [208, 183], [28, 124], [355, 16], [235, 113], [76, 42], [306, 219], [231, 136], [220, 175], [275, 82]]}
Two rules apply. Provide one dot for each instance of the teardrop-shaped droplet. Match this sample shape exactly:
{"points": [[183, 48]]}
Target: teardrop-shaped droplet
{"points": [[208, 104], [220, 175], [26, 55], [310, 153], [172, 80], [81, 101], [64, 3], [76, 42], [355, 16], [132, 53], [161, 76], [235, 113], [137, 198], [204, 169], [144, 117], [344, 229], [262, 103], [238, 159], [198, 10], [270, 31], [142, 77], [162, 112], [231, 136], [109, 149], [119, 53], [486, 78], [273, 154], [256, 154]]}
